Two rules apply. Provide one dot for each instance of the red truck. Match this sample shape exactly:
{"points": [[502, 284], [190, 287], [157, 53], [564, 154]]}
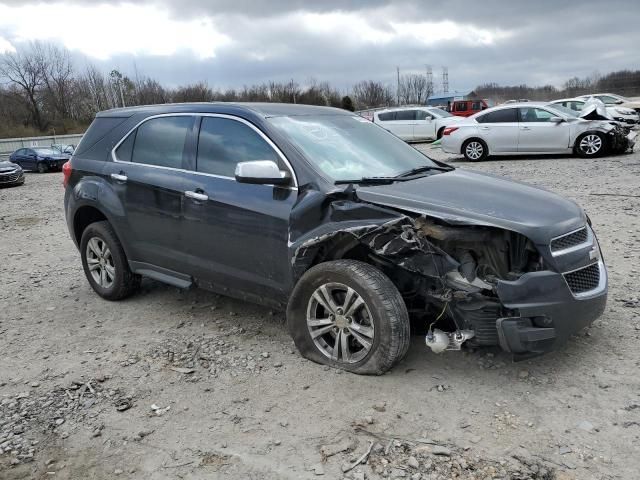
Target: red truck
{"points": [[466, 108]]}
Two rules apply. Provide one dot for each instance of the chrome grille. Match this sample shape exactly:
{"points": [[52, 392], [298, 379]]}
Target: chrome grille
{"points": [[584, 279], [10, 177], [569, 240]]}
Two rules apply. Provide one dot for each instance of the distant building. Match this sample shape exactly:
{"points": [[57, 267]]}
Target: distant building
{"points": [[449, 97]]}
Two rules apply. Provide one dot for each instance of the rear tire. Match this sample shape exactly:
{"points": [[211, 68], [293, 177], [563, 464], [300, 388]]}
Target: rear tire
{"points": [[328, 328], [590, 145], [42, 167], [105, 263], [475, 150]]}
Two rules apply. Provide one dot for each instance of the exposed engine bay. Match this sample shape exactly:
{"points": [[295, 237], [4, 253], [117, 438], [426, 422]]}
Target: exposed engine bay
{"points": [[447, 274]]}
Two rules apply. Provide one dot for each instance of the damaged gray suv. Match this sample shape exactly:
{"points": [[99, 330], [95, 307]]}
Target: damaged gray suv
{"points": [[325, 214]]}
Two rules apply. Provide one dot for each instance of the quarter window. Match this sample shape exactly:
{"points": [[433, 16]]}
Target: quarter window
{"points": [[160, 141], [506, 115], [223, 143]]}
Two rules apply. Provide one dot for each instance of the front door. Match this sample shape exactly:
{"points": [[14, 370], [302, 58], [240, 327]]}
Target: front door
{"points": [[149, 179], [236, 234], [404, 123], [538, 134]]}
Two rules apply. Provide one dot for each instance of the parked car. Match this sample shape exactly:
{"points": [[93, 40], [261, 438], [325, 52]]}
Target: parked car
{"points": [[10, 174], [618, 113], [42, 159], [325, 214], [415, 123], [611, 99], [62, 148], [533, 128], [466, 108]]}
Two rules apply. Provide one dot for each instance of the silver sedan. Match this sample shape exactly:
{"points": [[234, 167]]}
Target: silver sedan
{"points": [[530, 129]]}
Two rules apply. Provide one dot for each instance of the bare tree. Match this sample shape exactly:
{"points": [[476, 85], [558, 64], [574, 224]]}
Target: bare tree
{"points": [[369, 94], [414, 89], [195, 92], [24, 69], [58, 78]]}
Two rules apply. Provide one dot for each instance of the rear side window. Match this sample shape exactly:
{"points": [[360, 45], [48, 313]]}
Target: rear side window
{"points": [[161, 141], [475, 106], [406, 115], [505, 115], [223, 143], [388, 116], [461, 107]]}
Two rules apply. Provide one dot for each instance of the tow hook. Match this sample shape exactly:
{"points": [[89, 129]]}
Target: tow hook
{"points": [[439, 341]]}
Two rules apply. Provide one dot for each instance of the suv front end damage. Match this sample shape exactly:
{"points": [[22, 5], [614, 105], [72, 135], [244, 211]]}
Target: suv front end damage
{"points": [[471, 283]]}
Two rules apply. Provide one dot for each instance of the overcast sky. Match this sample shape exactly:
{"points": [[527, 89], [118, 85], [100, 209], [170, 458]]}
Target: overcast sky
{"points": [[235, 42]]}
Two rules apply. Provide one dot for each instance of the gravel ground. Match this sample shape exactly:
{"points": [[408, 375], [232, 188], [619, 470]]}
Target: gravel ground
{"points": [[192, 385]]}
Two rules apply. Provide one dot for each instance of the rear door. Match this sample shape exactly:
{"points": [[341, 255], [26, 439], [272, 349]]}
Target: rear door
{"points": [[149, 178], [425, 126], [499, 129], [236, 234], [406, 121], [461, 109], [538, 134]]}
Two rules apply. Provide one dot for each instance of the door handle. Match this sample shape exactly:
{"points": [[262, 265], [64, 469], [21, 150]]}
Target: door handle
{"points": [[484, 128], [119, 177], [201, 197], [525, 128]]}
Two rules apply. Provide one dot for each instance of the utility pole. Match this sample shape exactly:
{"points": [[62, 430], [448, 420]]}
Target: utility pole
{"points": [[398, 85], [429, 81]]}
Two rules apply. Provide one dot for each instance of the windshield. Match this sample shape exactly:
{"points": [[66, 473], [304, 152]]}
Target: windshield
{"points": [[45, 151], [346, 147], [562, 109], [438, 112]]}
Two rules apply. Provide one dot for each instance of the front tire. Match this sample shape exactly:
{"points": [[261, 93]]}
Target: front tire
{"points": [[349, 315], [105, 263], [590, 145], [475, 150]]}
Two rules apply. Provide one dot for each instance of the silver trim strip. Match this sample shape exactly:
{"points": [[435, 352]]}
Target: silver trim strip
{"points": [[602, 281], [580, 246], [199, 114]]}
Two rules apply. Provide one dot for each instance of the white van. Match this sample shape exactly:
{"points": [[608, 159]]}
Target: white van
{"points": [[415, 124]]}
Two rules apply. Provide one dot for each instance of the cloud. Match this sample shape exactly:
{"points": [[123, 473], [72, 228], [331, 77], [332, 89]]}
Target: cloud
{"points": [[5, 46], [102, 31], [230, 43]]}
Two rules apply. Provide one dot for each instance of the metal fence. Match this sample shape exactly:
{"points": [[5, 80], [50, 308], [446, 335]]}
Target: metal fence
{"points": [[9, 145]]}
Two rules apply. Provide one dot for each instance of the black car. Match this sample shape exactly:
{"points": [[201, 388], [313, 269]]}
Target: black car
{"points": [[10, 174], [322, 213], [41, 159]]}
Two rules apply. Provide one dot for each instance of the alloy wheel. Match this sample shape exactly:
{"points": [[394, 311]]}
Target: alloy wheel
{"points": [[474, 150], [340, 323], [100, 262], [591, 144]]}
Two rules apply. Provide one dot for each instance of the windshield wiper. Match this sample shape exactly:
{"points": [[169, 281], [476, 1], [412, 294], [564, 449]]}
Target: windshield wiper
{"points": [[425, 168], [368, 180]]}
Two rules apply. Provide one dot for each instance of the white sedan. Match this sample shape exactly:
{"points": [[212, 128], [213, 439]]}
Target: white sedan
{"points": [[617, 112], [415, 124], [533, 128]]}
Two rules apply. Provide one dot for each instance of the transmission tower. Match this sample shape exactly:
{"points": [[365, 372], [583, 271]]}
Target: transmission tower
{"points": [[429, 80], [445, 80]]}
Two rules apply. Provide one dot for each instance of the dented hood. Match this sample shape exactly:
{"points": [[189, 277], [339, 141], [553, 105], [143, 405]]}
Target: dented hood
{"points": [[466, 197]]}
